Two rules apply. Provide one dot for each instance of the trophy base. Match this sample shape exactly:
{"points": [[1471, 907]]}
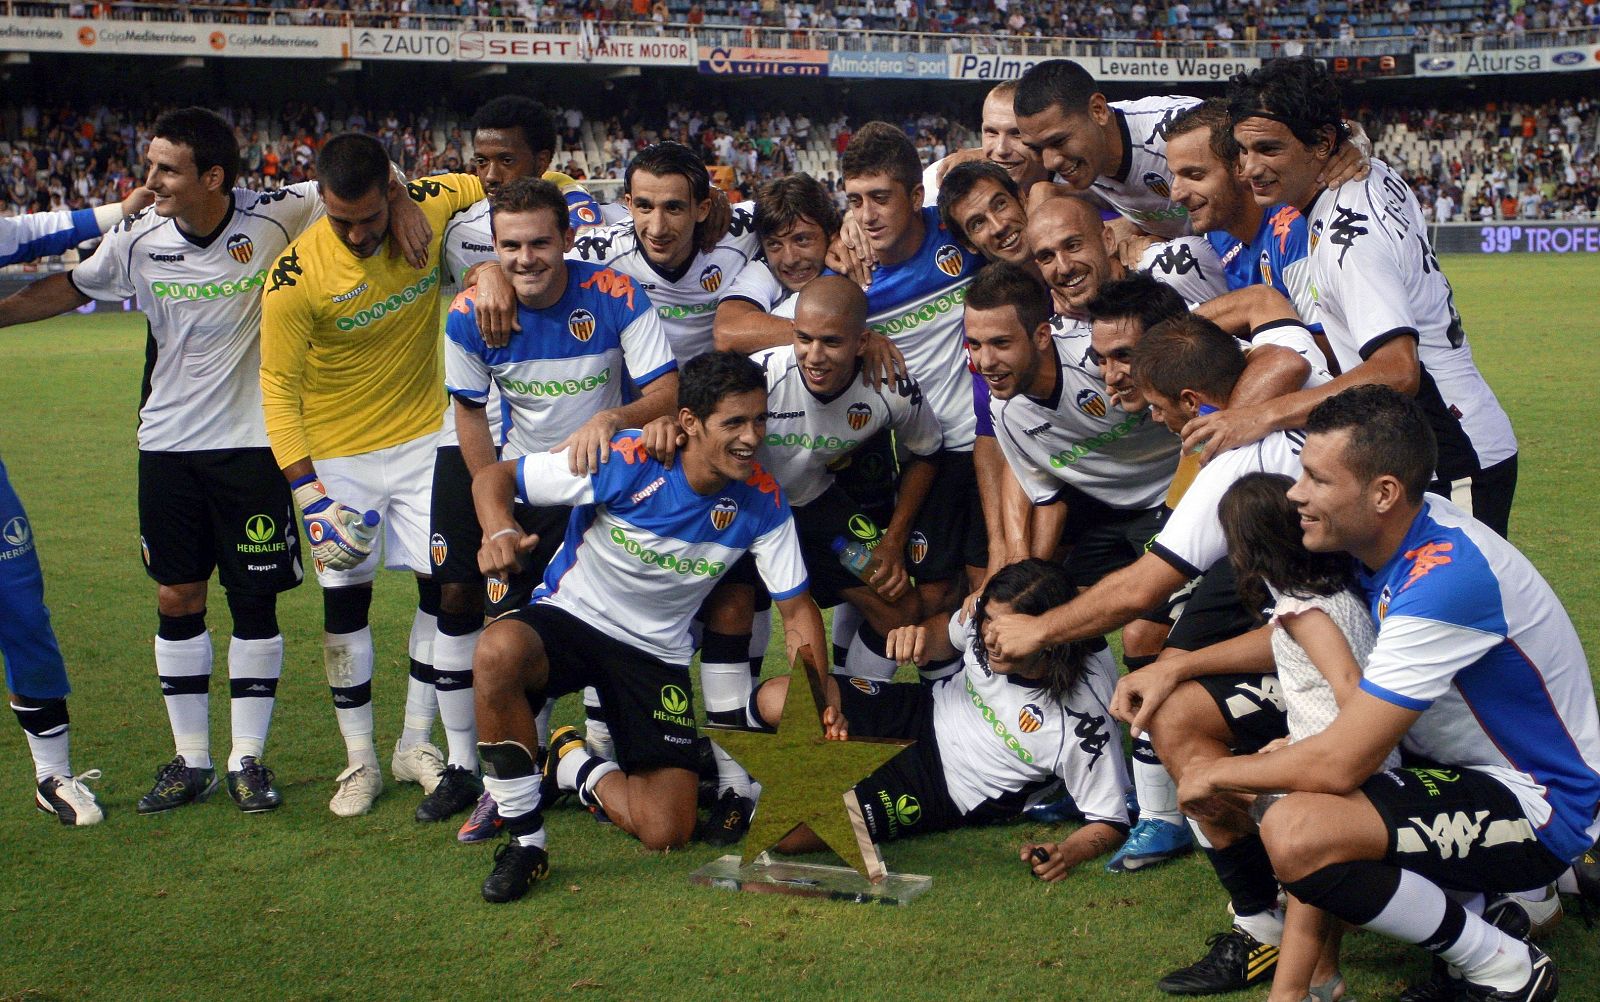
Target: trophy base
{"points": [[766, 875]]}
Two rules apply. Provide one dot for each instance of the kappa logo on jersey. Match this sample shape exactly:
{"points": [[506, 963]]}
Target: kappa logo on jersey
{"points": [[1091, 403], [1424, 559], [287, 271], [866, 685], [592, 247], [949, 260], [1343, 230], [425, 188], [580, 324], [1177, 260], [1160, 130], [1030, 719], [1092, 734], [711, 278], [611, 283], [1283, 225], [241, 248], [1156, 183], [724, 512], [858, 415], [918, 547], [438, 548], [495, 590]]}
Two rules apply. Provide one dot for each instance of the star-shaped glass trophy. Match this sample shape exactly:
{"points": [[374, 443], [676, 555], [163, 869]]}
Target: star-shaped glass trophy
{"points": [[808, 782]]}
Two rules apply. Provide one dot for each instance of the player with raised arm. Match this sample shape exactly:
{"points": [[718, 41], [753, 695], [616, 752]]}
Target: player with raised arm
{"points": [[1477, 671], [1376, 286], [644, 548], [353, 388], [968, 766], [209, 493], [583, 331], [36, 675]]}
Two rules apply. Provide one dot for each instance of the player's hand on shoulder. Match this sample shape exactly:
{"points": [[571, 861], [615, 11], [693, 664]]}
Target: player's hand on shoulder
{"points": [[661, 439], [1131, 248], [1219, 431], [1352, 161], [502, 551], [589, 447], [495, 305], [882, 362], [410, 233], [137, 200]]}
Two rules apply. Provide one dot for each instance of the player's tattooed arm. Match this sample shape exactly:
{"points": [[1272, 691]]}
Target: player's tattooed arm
{"points": [[1053, 862], [410, 233]]}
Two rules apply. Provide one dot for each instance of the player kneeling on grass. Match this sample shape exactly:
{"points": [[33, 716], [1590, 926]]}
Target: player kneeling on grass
{"points": [[991, 738], [644, 548]]}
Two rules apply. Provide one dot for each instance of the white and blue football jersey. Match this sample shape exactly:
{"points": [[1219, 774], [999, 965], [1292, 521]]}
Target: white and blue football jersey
{"points": [[1277, 256], [569, 361], [1472, 636], [643, 549], [917, 304]]}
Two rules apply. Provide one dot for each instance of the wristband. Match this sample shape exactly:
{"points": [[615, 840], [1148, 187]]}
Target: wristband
{"points": [[503, 532]]}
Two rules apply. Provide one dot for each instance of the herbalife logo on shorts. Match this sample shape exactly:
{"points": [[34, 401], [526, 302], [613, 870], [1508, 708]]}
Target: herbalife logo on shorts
{"points": [[394, 304], [260, 530], [674, 707]]}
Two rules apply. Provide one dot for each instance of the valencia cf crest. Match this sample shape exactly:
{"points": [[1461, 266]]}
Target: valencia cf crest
{"points": [[438, 549], [948, 258], [711, 278], [580, 324], [1383, 602], [241, 248], [495, 590], [1091, 403], [1316, 234], [858, 415], [1266, 269], [144, 549], [918, 547], [866, 685], [1158, 184], [1030, 719], [723, 513]]}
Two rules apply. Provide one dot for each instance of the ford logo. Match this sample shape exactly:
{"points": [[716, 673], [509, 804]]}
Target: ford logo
{"points": [[1437, 64], [1568, 58]]}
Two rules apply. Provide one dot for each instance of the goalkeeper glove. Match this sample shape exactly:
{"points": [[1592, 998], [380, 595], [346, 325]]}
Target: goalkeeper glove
{"points": [[340, 537]]}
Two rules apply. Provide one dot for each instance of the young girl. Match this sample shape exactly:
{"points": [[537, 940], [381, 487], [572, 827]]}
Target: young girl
{"points": [[991, 737], [1321, 637]]}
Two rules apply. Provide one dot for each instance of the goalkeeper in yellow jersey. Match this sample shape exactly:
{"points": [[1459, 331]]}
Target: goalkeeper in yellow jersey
{"points": [[352, 384]]}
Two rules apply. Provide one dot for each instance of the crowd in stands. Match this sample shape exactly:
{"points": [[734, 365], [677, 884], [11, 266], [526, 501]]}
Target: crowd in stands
{"points": [[1494, 161], [1259, 27]]}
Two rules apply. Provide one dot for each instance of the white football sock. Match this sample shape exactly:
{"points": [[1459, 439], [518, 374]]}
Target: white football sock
{"points": [[186, 664], [422, 700], [254, 667], [347, 658], [452, 666]]}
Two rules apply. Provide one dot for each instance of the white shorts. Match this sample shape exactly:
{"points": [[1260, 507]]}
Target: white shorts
{"points": [[397, 483]]}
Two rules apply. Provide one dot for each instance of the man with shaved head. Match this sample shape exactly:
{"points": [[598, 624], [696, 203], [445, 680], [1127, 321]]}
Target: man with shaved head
{"points": [[1002, 146]]}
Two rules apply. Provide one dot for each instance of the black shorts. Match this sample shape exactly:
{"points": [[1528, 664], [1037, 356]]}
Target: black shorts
{"points": [[1251, 705], [832, 515], [907, 794], [228, 510], [649, 702], [870, 473], [456, 536], [1461, 829], [1210, 612], [1102, 539], [949, 534]]}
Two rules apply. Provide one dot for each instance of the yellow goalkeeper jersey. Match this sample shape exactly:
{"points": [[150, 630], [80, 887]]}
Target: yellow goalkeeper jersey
{"points": [[350, 347]]}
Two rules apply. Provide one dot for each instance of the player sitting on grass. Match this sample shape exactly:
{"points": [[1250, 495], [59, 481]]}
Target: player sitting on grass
{"points": [[993, 736], [646, 546]]}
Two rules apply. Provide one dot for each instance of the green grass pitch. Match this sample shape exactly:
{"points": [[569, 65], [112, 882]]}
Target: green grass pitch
{"points": [[206, 903]]}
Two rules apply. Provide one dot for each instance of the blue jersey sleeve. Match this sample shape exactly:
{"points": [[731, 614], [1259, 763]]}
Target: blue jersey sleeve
{"points": [[44, 234]]}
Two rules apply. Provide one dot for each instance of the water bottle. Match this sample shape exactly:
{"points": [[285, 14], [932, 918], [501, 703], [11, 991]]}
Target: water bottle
{"points": [[366, 530], [855, 557]]}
